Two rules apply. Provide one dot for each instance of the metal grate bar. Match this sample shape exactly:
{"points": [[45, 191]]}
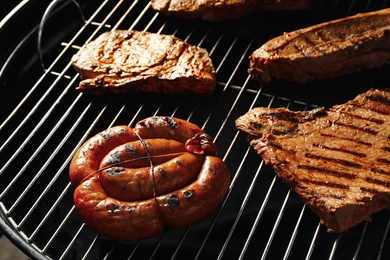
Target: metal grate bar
{"points": [[44, 219], [136, 21], [259, 215], [227, 240], [48, 213], [229, 45], [35, 86], [312, 243], [360, 241], [335, 244], [276, 225], [61, 170], [28, 139], [41, 146], [383, 240], [90, 248], [66, 251], [293, 236], [120, 20]]}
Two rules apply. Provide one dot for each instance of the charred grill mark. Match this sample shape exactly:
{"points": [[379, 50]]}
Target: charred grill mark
{"points": [[171, 122], [114, 171], [114, 158], [326, 184], [362, 129], [277, 132], [211, 170], [374, 120], [379, 104], [379, 98], [130, 149], [378, 182], [386, 148], [112, 208], [377, 109], [362, 155], [312, 43], [178, 162], [348, 139], [281, 116], [277, 146], [172, 200], [161, 170], [255, 125], [327, 171], [106, 136], [380, 171], [364, 199], [187, 194], [383, 160], [334, 160], [372, 103], [369, 190]]}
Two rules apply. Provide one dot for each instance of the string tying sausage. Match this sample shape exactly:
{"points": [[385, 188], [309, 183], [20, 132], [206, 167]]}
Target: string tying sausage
{"points": [[186, 181]]}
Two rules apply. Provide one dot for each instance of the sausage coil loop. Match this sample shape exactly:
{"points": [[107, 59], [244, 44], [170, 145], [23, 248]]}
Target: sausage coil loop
{"points": [[133, 183]]}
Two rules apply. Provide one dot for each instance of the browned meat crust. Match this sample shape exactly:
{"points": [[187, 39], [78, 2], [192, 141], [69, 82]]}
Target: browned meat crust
{"points": [[133, 183], [338, 161], [325, 50], [217, 10], [131, 61]]}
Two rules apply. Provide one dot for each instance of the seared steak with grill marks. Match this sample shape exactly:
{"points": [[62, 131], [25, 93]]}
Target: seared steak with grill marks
{"points": [[325, 50], [217, 10], [131, 61], [337, 160]]}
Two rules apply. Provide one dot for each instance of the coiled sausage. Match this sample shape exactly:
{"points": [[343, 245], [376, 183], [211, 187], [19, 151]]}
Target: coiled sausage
{"points": [[133, 183]]}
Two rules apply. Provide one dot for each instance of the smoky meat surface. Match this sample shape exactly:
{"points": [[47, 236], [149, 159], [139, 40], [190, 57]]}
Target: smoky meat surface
{"points": [[337, 160], [325, 50], [123, 61]]}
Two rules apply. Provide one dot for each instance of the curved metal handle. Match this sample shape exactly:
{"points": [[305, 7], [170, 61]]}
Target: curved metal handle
{"points": [[43, 21]]}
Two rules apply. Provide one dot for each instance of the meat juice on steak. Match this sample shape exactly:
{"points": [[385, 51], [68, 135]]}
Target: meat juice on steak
{"points": [[325, 50], [337, 160], [123, 61]]}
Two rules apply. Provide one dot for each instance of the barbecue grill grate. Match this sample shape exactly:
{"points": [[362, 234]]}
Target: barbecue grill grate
{"points": [[47, 121]]}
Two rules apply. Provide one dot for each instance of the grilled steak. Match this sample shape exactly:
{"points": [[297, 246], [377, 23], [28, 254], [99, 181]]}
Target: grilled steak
{"points": [[325, 50], [217, 10], [131, 61], [337, 160]]}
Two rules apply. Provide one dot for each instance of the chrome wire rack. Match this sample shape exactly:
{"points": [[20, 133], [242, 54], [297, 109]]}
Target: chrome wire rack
{"points": [[44, 121]]}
